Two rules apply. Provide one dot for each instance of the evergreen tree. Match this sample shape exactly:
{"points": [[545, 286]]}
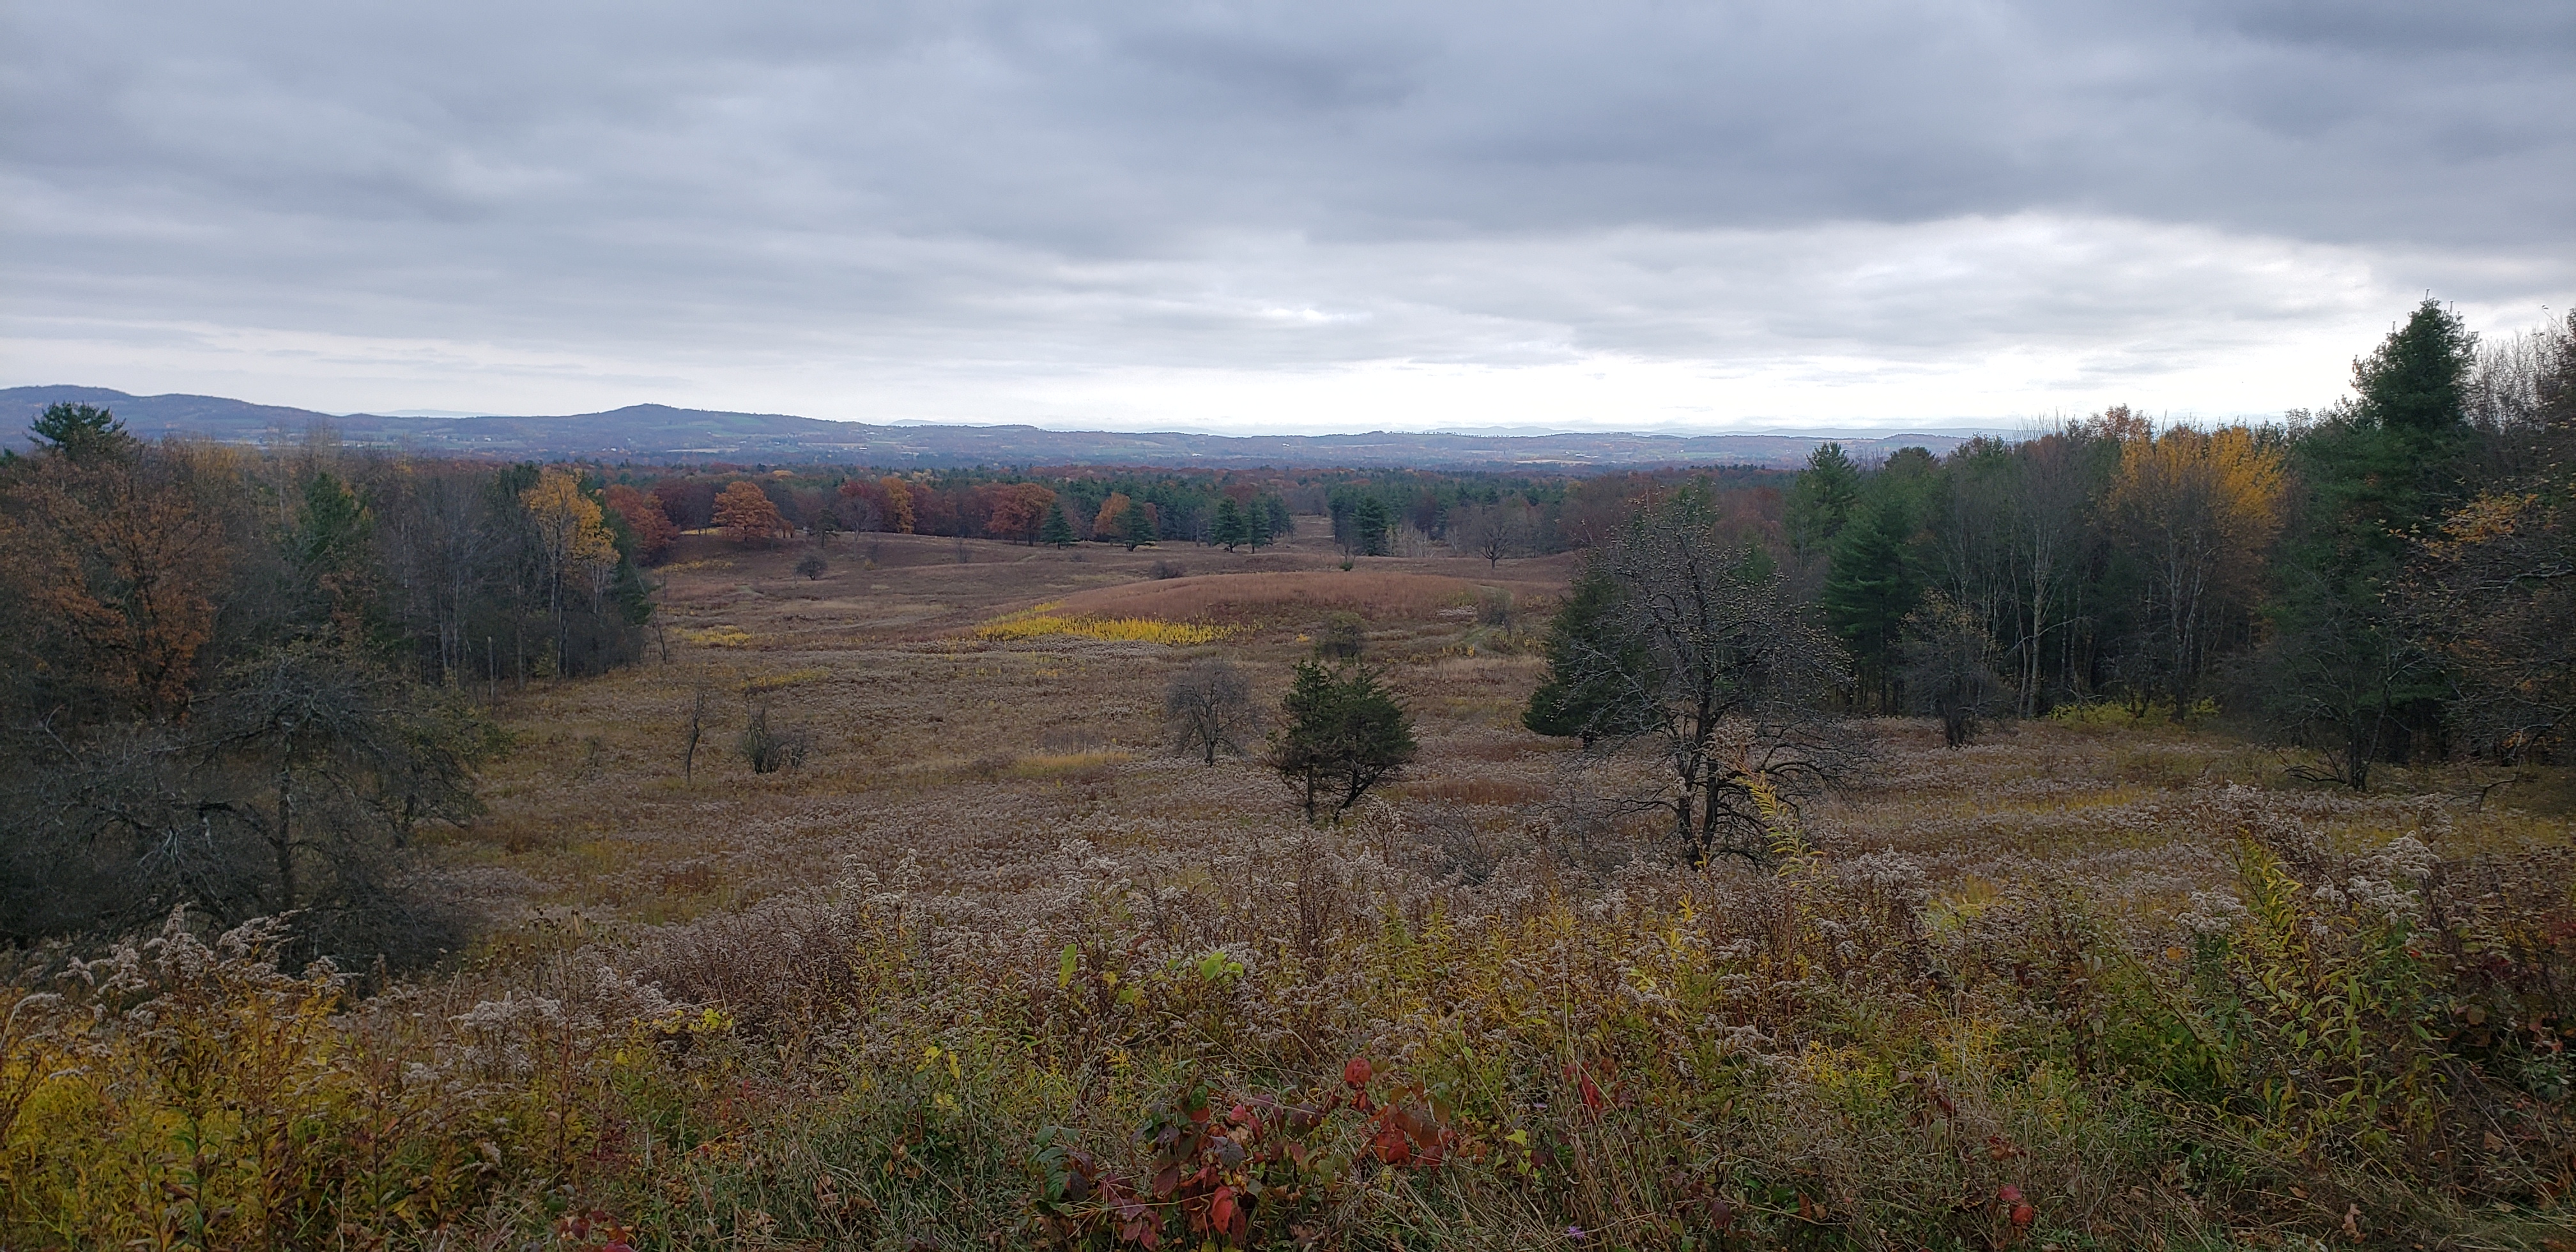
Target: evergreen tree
{"points": [[2340, 672], [1229, 529], [1870, 591], [2418, 380], [1260, 521], [1135, 526], [1369, 525], [1821, 500], [81, 432], [1056, 530], [1343, 734], [1596, 674]]}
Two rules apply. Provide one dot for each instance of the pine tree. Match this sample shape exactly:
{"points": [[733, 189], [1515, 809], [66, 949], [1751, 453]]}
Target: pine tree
{"points": [[1344, 734], [1593, 687], [1056, 530], [1369, 525], [1257, 529], [1229, 529], [1870, 591], [1822, 499], [81, 432], [1136, 525]]}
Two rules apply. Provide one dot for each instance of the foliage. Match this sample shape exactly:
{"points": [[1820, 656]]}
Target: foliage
{"points": [[1342, 732], [647, 524], [2197, 513], [1696, 655], [1948, 671], [2367, 1042], [81, 433], [1055, 531], [1594, 668], [748, 516], [1039, 623]]}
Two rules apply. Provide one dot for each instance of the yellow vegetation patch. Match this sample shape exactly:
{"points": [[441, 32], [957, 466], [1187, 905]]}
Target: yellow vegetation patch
{"points": [[712, 562], [1056, 764], [718, 637], [1116, 629], [791, 678]]}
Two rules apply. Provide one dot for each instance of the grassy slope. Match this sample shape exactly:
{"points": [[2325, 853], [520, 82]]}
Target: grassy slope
{"points": [[923, 991]]}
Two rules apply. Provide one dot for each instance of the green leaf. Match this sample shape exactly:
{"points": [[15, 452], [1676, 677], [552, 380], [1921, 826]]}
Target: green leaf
{"points": [[1064, 967]]}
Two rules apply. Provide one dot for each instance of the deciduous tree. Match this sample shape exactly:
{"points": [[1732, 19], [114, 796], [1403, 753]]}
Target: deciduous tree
{"points": [[2197, 511], [1208, 709], [1717, 672], [748, 516], [645, 520]]}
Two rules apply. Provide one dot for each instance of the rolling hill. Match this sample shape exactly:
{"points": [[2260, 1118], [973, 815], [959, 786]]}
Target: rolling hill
{"points": [[656, 432]]}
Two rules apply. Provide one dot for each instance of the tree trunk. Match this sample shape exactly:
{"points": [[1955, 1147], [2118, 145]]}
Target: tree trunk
{"points": [[285, 841]]}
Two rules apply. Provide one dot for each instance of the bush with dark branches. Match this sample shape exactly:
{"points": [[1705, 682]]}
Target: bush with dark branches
{"points": [[1689, 648]]}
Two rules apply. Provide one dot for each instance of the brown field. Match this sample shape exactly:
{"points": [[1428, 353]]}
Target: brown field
{"points": [[975, 758], [923, 991]]}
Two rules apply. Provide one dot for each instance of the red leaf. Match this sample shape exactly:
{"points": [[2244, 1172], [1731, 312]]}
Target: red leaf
{"points": [[1591, 1095], [2022, 1214], [1393, 1148], [1221, 1210], [1357, 1073]]}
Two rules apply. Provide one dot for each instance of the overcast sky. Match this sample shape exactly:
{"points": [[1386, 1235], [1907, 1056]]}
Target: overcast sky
{"points": [[1271, 215]]}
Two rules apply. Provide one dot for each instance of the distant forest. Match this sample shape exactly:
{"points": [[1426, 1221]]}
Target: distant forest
{"points": [[243, 679]]}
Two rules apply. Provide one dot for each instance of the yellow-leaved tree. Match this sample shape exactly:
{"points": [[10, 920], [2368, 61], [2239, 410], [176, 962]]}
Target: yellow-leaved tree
{"points": [[573, 543], [2198, 511]]}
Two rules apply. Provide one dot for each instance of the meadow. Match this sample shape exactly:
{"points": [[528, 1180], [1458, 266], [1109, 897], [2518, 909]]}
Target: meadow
{"points": [[989, 967]]}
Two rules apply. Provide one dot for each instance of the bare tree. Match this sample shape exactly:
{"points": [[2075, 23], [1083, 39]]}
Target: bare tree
{"points": [[1702, 660], [1493, 531], [1948, 667], [693, 734], [1209, 710]]}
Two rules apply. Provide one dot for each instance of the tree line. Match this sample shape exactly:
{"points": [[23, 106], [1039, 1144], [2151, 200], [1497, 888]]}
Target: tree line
{"points": [[2389, 579], [1489, 516], [243, 682]]}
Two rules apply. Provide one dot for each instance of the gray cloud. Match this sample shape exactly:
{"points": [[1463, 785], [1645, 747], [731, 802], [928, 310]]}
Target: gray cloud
{"points": [[952, 207]]}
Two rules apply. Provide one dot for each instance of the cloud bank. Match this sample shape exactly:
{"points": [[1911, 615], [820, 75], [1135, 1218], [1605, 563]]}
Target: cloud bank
{"points": [[1274, 216]]}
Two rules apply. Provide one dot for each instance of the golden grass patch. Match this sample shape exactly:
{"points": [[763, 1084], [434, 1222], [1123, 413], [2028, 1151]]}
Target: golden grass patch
{"points": [[790, 678], [1113, 629], [716, 637]]}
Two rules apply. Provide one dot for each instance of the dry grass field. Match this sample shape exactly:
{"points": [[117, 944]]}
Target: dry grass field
{"points": [[992, 968]]}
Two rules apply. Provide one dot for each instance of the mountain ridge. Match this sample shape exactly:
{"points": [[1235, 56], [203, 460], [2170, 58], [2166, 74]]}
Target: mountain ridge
{"points": [[660, 432]]}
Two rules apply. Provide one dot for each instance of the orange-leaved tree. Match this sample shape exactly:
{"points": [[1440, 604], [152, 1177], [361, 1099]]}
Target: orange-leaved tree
{"points": [[114, 571], [747, 515], [646, 519], [1019, 509], [898, 504]]}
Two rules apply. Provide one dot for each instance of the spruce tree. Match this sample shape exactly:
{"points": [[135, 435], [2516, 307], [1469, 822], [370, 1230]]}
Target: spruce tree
{"points": [[1870, 591], [1369, 525], [1595, 681], [1343, 734], [1056, 530], [1822, 499], [1229, 529]]}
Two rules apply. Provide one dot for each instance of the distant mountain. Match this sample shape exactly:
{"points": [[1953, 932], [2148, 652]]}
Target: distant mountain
{"points": [[656, 432]]}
